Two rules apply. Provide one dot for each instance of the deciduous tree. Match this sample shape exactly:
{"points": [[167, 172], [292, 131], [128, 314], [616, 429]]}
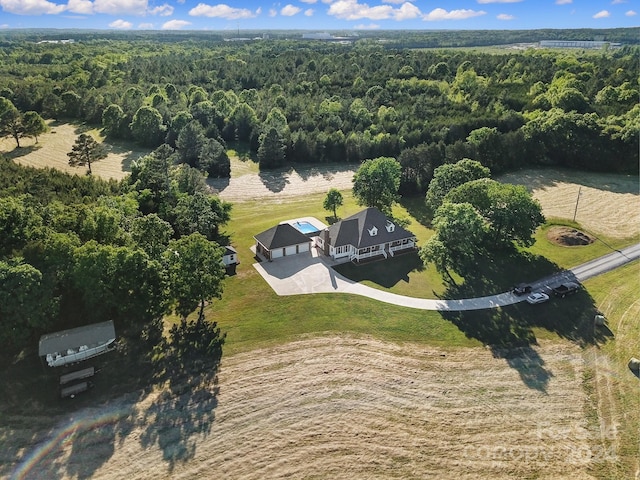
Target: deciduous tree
{"points": [[376, 183], [332, 201]]}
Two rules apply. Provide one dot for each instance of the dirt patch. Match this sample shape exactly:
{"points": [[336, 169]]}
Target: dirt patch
{"points": [[338, 407], [568, 237]]}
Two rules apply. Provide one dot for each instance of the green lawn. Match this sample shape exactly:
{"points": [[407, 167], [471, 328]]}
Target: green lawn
{"points": [[253, 315]]}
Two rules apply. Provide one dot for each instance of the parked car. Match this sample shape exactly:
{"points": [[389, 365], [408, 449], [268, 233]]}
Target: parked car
{"points": [[565, 289], [522, 289], [537, 297]]}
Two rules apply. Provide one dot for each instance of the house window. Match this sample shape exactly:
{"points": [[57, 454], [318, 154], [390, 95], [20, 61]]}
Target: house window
{"points": [[390, 226], [373, 231]]}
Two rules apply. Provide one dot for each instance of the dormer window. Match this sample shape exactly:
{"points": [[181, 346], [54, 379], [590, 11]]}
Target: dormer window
{"points": [[373, 231], [390, 226]]}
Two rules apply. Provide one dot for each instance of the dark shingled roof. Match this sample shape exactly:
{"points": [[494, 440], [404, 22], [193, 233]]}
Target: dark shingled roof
{"points": [[354, 230], [283, 235], [76, 337]]}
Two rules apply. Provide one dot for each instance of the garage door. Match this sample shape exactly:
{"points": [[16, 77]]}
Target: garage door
{"points": [[290, 250], [276, 253], [304, 247]]}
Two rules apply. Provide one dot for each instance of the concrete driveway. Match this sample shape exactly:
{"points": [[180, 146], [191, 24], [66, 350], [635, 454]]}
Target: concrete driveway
{"points": [[312, 273]]}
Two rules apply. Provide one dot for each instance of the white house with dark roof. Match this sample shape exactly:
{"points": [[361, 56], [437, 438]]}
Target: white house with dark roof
{"points": [[281, 241], [365, 235]]}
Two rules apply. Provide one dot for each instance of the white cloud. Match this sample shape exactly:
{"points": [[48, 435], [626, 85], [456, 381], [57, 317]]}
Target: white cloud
{"points": [[630, 13], [163, 10], [31, 7], [222, 11], [504, 16], [123, 24], [393, 1], [406, 12], [309, 1], [273, 12], [352, 10], [308, 12], [441, 14], [120, 7], [175, 24], [563, 2], [371, 26], [4, 25], [145, 26], [289, 10], [602, 14], [617, 2], [84, 7], [498, 1]]}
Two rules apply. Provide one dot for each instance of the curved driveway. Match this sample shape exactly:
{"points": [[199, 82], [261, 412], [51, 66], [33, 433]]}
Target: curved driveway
{"points": [[310, 273]]}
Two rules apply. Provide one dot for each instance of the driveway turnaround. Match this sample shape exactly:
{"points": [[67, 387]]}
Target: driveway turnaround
{"points": [[312, 273]]}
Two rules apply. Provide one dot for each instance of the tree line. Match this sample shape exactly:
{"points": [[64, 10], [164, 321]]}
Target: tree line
{"points": [[294, 102]]}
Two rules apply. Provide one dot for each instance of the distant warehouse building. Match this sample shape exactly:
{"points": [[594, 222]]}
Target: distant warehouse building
{"points": [[588, 44]]}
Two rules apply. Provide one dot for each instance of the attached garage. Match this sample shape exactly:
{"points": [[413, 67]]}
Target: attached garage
{"points": [[281, 241]]}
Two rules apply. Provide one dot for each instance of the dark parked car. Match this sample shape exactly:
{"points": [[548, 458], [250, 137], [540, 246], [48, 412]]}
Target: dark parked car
{"points": [[522, 289]]}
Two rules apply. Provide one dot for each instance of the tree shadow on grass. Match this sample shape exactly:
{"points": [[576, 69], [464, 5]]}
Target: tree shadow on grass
{"points": [[187, 366], [385, 273], [183, 369], [275, 180], [21, 152], [509, 331]]}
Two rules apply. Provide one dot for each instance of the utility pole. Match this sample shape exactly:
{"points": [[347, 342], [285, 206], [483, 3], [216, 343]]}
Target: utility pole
{"points": [[577, 200]]}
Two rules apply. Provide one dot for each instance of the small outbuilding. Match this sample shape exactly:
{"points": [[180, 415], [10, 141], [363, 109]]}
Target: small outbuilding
{"points": [[230, 260], [281, 241]]}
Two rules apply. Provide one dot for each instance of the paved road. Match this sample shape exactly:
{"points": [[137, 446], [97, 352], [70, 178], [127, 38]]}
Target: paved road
{"points": [[311, 273]]}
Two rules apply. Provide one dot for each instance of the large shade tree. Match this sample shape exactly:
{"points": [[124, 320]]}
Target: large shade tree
{"points": [[447, 177], [195, 272], [376, 183], [511, 213]]}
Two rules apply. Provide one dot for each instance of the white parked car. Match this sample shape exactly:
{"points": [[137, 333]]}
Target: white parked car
{"points": [[537, 297]]}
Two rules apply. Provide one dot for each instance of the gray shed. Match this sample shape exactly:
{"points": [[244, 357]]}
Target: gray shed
{"points": [[77, 344]]}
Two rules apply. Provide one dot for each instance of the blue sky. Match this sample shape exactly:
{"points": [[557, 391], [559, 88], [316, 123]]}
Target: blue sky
{"points": [[318, 15]]}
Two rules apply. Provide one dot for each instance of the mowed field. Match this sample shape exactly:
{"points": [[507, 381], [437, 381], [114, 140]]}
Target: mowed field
{"points": [[53, 146], [338, 405]]}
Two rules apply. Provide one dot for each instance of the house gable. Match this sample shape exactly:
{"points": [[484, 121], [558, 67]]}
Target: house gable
{"points": [[367, 228]]}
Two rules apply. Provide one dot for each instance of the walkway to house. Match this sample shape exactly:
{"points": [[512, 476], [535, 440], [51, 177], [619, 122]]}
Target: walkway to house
{"points": [[312, 273]]}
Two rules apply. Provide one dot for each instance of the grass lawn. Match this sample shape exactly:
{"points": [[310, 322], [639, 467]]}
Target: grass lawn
{"points": [[253, 315]]}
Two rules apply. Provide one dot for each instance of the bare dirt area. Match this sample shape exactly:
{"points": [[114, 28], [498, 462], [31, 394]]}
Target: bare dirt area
{"points": [[53, 146], [607, 204], [568, 237], [342, 407], [291, 182]]}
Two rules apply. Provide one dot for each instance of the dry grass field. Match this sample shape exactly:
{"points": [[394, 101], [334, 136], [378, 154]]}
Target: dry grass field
{"points": [[345, 407], [609, 204], [52, 148]]}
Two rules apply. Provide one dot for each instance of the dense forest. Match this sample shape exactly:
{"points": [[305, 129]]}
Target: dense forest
{"points": [[296, 101], [73, 246]]}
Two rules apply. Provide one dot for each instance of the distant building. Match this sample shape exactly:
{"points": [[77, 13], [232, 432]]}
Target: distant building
{"points": [[317, 36], [588, 44]]}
